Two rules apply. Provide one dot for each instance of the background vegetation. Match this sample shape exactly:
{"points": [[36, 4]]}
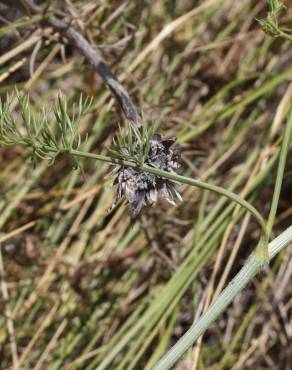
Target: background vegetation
{"points": [[83, 287]]}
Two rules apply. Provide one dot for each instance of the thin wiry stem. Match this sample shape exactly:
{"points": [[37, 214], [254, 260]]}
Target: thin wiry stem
{"points": [[181, 179], [280, 173]]}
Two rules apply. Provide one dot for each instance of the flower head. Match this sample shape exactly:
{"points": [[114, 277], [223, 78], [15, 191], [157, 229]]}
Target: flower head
{"points": [[141, 188]]}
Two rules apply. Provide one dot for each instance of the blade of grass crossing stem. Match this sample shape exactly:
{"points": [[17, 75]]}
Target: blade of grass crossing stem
{"points": [[164, 339], [280, 172], [262, 250]]}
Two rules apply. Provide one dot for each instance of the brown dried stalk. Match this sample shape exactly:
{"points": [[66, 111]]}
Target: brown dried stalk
{"points": [[91, 56]]}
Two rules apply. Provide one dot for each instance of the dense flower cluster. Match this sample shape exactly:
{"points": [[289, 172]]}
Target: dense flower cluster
{"points": [[141, 188]]}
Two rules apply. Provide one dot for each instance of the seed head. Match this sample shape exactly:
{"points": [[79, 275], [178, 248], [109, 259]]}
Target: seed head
{"points": [[141, 188]]}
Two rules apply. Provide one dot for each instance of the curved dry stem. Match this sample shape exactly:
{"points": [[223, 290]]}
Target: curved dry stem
{"points": [[185, 180]]}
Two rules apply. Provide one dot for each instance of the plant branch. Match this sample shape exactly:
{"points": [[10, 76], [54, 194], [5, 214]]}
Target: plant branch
{"points": [[181, 179]]}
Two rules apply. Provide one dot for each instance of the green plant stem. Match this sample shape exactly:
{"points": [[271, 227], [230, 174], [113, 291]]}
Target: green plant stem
{"points": [[280, 174], [181, 179], [249, 270], [285, 35]]}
